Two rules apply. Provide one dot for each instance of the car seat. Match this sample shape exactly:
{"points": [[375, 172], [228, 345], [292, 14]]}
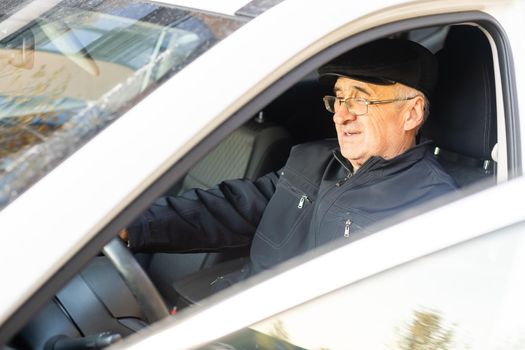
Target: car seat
{"points": [[251, 151], [462, 121]]}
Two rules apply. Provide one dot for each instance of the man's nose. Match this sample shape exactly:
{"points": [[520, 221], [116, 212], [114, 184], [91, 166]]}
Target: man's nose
{"points": [[343, 116]]}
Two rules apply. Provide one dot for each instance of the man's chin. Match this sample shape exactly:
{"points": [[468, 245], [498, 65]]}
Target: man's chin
{"points": [[352, 158]]}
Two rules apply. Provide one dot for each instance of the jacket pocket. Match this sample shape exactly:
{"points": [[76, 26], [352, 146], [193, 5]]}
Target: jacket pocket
{"points": [[288, 207]]}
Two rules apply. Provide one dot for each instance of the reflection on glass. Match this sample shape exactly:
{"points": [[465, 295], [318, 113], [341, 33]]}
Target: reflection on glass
{"points": [[276, 339], [426, 331], [67, 74], [468, 296]]}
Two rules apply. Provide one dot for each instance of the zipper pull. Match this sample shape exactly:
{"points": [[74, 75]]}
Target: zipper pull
{"points": [[303, 199], [216, 280], [343, 180], [347, 228]]}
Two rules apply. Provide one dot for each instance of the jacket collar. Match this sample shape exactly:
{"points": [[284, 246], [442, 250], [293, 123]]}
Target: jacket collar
{"points": [[387, 166]]}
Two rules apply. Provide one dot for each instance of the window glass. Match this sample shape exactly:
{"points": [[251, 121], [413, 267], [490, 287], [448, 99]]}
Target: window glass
{"points": [[465, 297], [69, 72]]}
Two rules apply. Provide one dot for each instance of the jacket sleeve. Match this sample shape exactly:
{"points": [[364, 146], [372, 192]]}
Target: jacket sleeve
{"points": [[225, 216]]}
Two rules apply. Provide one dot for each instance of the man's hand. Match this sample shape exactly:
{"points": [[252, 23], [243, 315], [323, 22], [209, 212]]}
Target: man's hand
{"points": [[123, 234]]}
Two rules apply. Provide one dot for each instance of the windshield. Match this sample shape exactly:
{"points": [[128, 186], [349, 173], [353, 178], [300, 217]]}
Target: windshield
{"points": [[69, 69]]}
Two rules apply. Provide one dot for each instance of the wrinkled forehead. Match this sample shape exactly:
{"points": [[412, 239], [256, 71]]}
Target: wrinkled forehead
{"points": [[346, 86]]}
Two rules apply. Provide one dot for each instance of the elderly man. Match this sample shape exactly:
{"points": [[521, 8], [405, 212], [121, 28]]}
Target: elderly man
{"points": [[328, 189]]}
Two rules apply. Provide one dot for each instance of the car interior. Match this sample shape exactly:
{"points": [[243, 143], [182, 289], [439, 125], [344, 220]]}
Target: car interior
{"points": [[97, 304]]}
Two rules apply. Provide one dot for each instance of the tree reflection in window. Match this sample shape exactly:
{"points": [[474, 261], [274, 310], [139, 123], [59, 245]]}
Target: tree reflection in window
{"points": [[427, 332]]}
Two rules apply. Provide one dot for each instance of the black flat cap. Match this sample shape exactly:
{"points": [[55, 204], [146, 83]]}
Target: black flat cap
{"points": [[385, 62]]}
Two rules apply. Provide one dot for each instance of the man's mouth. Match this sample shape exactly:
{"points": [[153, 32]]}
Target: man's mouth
{"points": [[350, 132]]}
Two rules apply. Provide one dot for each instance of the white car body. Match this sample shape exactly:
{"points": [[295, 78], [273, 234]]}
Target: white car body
{"points": [[224, 7], [47, 225]]}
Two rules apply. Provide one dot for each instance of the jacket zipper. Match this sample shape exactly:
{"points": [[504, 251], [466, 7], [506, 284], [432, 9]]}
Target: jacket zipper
{"points": [[304, 198], [349, 174], [216, 280], [339, 183], [368, 164], [347, 228], [321, 196]]}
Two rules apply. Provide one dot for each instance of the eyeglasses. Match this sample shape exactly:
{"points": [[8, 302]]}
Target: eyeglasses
{"points": [[356, 106]]}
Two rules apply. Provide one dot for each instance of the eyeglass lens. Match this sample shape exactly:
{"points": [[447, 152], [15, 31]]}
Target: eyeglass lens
{"points": [[356, 107]]}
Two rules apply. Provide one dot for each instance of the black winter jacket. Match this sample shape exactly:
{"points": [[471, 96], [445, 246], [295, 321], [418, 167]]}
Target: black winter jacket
{"points": [[314, 199]]}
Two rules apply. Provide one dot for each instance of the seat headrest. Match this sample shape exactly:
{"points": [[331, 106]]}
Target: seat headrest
{"points": [[463, 108]]}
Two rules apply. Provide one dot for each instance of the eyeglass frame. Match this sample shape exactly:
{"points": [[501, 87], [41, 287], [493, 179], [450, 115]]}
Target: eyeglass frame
{"points": [[360, 99]]}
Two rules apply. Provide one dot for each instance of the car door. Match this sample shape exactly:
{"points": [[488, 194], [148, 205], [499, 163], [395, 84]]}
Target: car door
{"points": [[464, 296]]}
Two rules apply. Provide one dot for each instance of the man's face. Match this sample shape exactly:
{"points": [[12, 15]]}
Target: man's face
{"points": [[383, 131]]}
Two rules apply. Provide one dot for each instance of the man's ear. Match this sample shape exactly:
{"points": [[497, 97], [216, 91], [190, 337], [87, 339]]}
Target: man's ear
{"points": [[415, 114]]}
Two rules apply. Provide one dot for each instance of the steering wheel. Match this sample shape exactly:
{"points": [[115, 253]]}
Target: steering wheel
{"points": [[137, 280]]}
